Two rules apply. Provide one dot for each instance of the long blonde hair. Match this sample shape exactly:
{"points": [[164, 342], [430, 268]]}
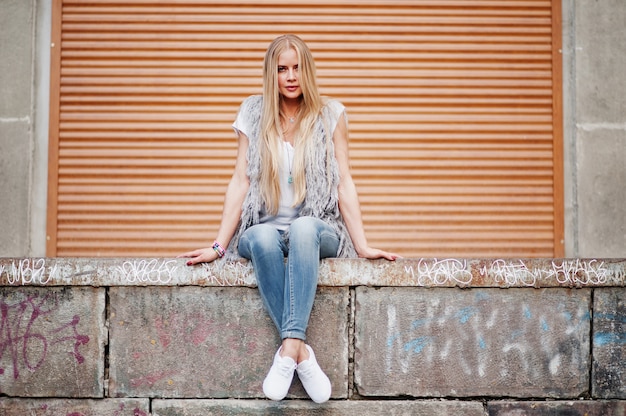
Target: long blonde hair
{"points": [[271, 139]]}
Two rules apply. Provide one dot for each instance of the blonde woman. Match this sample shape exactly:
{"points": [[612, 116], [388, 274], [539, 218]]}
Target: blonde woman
{"points": [[291, 196]]}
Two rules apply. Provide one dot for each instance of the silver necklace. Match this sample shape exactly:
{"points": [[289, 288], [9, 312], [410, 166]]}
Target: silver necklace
{"points": [[292, 119]]}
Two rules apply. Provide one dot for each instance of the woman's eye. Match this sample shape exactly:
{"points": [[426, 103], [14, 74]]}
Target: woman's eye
{"points": [[281, 69]]}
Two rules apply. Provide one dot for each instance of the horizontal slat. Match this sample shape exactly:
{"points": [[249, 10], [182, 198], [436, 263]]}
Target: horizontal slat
{"points": [[365, 3]]}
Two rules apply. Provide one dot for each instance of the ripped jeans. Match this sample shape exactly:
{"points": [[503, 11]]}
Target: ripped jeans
{"points": [[288, 289]]}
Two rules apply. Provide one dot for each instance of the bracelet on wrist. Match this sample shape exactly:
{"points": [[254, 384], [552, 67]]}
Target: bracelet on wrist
{"points": [[218, 248]]}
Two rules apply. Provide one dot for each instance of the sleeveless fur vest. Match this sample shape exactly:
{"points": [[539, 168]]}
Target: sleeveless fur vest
{"points": [[322, 179]]}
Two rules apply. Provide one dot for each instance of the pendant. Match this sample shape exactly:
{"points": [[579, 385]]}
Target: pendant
{"points": [[290, 179], [292, 119]]}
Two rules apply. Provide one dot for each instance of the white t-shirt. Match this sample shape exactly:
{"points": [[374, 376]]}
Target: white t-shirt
{"points": [[286, 211]]}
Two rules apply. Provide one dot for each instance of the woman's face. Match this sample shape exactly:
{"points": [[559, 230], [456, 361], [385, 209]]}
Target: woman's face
{"points": [[288, 75]]}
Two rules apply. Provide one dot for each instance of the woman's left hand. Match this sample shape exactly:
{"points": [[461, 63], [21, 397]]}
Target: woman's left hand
{"points": [[374, 253]]}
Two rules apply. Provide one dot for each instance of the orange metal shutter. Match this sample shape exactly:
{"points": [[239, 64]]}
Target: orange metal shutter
{"points": [[454, 109]]}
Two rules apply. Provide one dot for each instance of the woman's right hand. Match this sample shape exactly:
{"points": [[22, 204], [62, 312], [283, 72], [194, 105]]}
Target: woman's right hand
{"points": [[201, 255]]}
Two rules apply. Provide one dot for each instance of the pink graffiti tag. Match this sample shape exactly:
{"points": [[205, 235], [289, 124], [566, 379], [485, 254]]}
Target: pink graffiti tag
{"points": [[74, 336], [26, 348], [194, 329]]}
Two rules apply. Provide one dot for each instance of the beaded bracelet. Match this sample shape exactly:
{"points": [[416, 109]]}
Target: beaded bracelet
{"points": [[218, 249]]}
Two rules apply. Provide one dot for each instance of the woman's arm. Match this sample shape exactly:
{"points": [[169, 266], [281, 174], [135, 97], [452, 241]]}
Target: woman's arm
{"points": [[349, 199], [233, 201]]}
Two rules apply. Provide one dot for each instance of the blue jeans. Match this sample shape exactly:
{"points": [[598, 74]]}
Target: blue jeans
{"points": [[288, 290]]}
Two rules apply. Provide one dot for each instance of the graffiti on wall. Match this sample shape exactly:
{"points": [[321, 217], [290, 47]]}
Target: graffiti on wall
{"points": [[229, 274], [455, 272], [143, 272], [26, 336], [483, 336], [29, 272], [170, 271], [440, 272], [148, 271], [430, 272], [565, 272]]}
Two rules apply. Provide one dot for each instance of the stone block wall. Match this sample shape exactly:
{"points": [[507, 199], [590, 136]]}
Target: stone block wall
{"points": [[412, 337]]}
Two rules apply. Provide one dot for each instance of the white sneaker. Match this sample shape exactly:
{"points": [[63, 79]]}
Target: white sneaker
{"points": [[278, 379], [315, 382]]}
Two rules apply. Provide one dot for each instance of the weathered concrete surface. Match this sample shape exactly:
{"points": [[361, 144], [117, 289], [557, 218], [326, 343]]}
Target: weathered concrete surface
{"points": [[603, 196], [600, 58], [609, 344], [569, 408], [467, 343], [597, 125], [16, 65], [297, 408], [419, 272], [212, 342], [16, 79], [75, 407], [14, 179], [52, 342]]}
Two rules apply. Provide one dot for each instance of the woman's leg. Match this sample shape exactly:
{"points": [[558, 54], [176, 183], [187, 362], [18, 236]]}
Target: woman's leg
{"points": [[288, 294], [264, 246], [310, 240]]}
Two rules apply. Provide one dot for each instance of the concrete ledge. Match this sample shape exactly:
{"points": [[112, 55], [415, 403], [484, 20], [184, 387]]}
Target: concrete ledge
{"points": [[209, 407], [68, 407], [476, 330], [424, 272], [579, 407], [298, 408]]}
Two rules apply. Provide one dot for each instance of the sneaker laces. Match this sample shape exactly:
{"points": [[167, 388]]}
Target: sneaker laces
{"points": [[284, 366], [306, 371]]}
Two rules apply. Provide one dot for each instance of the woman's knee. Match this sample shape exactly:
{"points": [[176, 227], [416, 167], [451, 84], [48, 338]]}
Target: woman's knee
{"points": [[259, 237], [310, 234], [304, 226]]}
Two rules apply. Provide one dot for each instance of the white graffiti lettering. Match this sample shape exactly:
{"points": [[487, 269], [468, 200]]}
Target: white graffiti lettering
{"points": [[421, 272], [148, 271], [441, 272], [580, 272], [239, 274], [29, 272], [512, 273], [567, 272]]}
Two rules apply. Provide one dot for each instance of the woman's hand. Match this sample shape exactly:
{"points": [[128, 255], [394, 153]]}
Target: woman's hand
{"points": [[374, 253], [202, 255]]}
